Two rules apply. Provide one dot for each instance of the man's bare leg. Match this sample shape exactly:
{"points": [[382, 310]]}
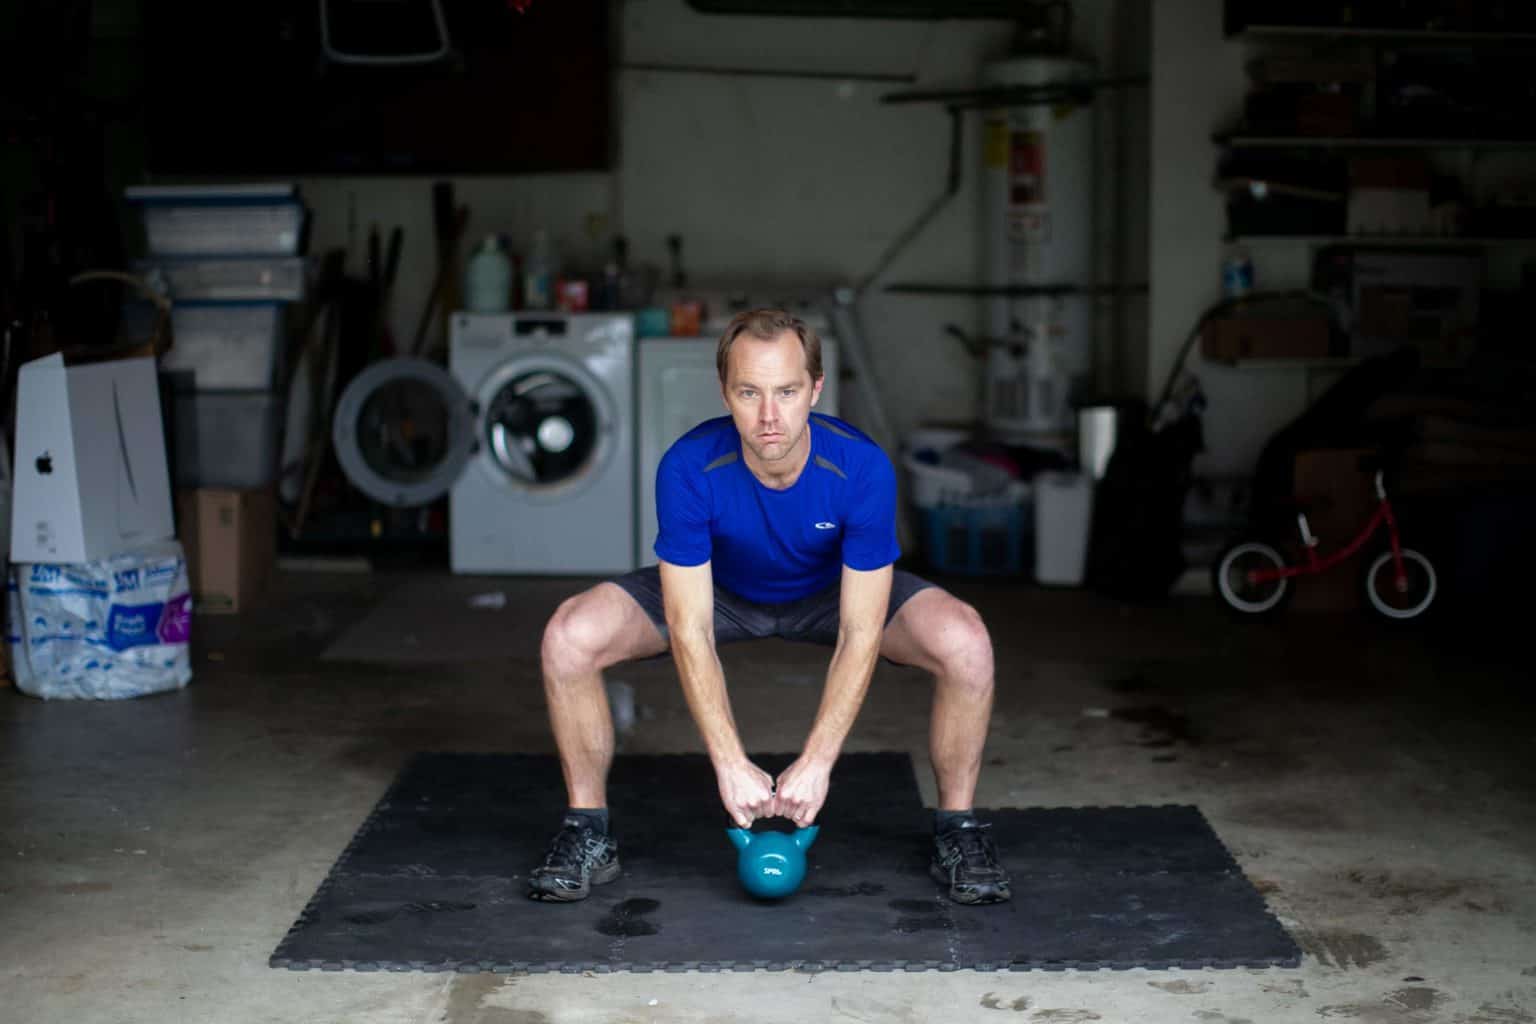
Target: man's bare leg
{"points": [[940, 633], [591, 631], [936, 631], [588, 633]]}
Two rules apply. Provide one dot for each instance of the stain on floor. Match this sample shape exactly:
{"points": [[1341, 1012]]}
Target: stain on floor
{"points": [[467, 996], [1341, 948], [1160, 727], [1182, 987], [992, 1001]]}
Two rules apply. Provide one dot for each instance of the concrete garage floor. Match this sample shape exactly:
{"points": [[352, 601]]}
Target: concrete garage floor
{"points": [[1376, 787]]}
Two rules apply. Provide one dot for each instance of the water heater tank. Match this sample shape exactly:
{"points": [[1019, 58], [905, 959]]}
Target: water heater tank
{"points": [[1037, 231]]}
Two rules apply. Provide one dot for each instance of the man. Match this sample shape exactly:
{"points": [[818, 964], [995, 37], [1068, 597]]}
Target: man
{"points": [[771, 522]]}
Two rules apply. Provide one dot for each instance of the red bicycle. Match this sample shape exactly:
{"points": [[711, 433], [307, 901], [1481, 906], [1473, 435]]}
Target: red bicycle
{"points": [[1253, 578]]}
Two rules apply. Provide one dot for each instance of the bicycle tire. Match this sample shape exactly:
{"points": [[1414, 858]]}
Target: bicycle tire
{"points": [[1385, 608], [1272, 599]]}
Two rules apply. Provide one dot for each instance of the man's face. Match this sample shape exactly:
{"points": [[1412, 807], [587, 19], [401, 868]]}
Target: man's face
{"points": [[769, 394]]}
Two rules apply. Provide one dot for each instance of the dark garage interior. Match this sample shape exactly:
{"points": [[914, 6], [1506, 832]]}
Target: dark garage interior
{"points": [[1030, 496]]}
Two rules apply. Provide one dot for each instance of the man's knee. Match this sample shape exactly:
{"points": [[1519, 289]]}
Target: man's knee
{"points": [[963, 647], [578, 634]]}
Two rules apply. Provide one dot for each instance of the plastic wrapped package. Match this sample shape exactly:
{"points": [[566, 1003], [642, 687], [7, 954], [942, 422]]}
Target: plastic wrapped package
{"points": [[109, 629]]}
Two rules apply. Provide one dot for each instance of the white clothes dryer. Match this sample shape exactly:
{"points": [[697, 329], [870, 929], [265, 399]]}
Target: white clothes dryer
{"points": [[530, 431]]}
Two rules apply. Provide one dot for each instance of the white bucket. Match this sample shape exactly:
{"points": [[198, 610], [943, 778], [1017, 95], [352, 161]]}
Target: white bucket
{"points": [[1063, 519]]}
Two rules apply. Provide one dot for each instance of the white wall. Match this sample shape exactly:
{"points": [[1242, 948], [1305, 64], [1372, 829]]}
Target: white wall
{"points": [[777, 178], [1197, 87]]}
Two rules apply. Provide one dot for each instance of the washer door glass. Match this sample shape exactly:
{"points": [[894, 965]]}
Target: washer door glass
{"points": [[403, 431], [542, 427]]}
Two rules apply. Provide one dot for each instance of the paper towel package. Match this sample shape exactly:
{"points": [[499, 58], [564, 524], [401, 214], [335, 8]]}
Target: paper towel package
{"points": [[104, 630], [90, 476]]}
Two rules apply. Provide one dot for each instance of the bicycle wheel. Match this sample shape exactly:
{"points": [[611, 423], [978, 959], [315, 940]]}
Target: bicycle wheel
{"points": [[1232, 577], [1398, 600]]}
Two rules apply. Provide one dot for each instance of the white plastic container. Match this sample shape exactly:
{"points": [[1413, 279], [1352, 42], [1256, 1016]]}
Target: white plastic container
{"points": [[1063, 520], [488, 278], [229, 279], [934, 485], [226, 220], [225, 439], [257, 228], [227, 346]]}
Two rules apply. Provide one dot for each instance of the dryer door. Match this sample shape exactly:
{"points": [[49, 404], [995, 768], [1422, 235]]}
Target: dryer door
{"points": [[403, 431], [546, 425]]}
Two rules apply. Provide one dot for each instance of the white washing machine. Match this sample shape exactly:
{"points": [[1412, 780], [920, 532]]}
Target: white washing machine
{"points": [[530, 431], [679, 389]]}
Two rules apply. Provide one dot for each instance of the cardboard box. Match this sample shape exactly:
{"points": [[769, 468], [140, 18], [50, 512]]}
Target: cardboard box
{"points": [[1300, 336], [1421, 299], [90, 475], [1341, 496], [230, 538], [1390, 211]]}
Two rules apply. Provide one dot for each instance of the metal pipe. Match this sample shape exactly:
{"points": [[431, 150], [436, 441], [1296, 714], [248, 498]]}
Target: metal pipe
{"points": [[732, 72]]}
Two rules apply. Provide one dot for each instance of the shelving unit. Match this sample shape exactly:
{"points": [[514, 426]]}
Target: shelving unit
{"points": [[1016, 96], [1384, 241], [1314, 195], [1238, 140], [1014, 291], [1331, 363], [1423, 35]]}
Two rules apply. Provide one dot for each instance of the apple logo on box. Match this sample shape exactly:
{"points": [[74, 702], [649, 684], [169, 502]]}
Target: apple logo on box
{"points": [[45, 463]]}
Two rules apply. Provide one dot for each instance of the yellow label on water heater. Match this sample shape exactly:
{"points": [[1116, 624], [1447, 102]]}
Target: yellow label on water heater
{"points": [[995, 143]]}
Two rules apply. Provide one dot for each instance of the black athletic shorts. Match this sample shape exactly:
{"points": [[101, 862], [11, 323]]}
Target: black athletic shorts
{"points": [[809, 620]]}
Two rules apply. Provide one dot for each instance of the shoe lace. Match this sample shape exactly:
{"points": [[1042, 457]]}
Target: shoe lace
{"points": [[973, 847], [567, 847]]}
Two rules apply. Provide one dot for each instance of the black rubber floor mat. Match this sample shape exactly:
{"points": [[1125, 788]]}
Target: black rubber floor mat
{"points": [[434, 881]]}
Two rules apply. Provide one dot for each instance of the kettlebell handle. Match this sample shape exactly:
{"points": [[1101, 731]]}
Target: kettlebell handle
{"points": [[741, 838]]}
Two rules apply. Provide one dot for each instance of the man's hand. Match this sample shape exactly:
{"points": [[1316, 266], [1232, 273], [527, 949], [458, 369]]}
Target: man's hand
{"points": [[746, 791], [802, 790]]}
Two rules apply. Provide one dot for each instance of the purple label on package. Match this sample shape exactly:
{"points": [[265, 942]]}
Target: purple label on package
{"points": [[176, 621]]}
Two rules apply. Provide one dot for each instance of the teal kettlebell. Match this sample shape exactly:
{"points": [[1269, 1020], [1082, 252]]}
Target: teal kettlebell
{"points": [[771, 864]]}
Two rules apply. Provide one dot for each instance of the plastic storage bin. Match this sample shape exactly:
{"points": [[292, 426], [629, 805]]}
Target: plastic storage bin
{"points": [[225, 438], [229, 279], [225, 220], [961, 482], [976, 541], [227, 346]]}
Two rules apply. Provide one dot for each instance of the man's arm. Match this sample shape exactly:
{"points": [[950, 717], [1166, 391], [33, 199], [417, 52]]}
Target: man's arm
{"points": [[803, 786], [688, 596]]}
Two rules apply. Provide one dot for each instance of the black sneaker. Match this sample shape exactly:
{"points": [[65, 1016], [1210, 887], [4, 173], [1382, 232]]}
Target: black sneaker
{"points": [[965, 859], [579, 857]]}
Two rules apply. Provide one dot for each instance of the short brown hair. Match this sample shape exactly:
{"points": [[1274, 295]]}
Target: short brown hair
{"points": [[765, 325]]}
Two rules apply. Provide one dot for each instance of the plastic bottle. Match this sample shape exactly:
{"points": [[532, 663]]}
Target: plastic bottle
{"points": [[1236, 272], [488, 278], [539, 274]]}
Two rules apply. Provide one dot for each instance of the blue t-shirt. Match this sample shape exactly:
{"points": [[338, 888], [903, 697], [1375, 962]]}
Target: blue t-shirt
{"points": [[774, 546]]}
